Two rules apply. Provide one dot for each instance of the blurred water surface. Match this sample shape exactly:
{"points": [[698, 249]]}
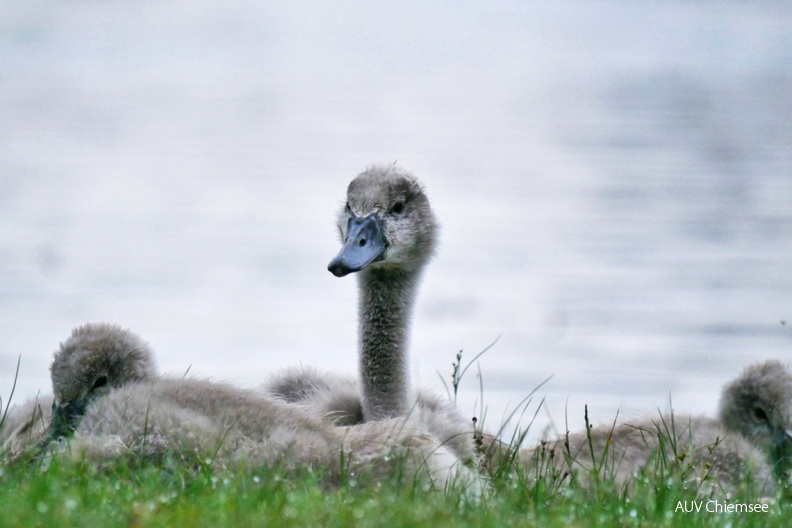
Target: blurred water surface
{"points": [[614, 181]]}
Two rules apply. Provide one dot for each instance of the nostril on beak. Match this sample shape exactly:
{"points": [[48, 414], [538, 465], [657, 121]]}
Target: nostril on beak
{"points": [[362, 242]]}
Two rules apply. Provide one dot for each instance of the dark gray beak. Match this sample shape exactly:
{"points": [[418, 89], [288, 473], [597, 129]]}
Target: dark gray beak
{"points": [[365, 243], [65, 419]]}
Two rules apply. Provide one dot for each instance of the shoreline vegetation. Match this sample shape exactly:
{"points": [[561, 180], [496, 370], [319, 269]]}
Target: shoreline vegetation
{"points": [[524, 491]]}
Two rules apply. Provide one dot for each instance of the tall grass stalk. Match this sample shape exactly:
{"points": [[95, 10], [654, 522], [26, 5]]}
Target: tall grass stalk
{"points": [[11, 395]]}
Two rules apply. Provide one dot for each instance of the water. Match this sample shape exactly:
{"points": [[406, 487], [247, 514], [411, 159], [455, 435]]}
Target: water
{"points": [[614, 181]]}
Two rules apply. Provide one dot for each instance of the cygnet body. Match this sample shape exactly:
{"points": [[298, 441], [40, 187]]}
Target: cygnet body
{"points": [[750, 439], [126, 408]]}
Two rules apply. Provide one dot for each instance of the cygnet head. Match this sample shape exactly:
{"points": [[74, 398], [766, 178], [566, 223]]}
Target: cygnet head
{"points": [[386, 223], [758, 405], [95, 359]]}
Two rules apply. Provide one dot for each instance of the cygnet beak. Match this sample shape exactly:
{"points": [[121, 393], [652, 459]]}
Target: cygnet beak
{"points": [[65, 418], [365, 243]]}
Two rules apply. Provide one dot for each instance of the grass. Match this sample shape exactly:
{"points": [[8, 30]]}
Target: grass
{"points": [[4, 412], [131, 492]]}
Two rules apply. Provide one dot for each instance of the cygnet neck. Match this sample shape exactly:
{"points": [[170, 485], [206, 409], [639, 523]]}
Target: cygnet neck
{"points": [[385, 308]]}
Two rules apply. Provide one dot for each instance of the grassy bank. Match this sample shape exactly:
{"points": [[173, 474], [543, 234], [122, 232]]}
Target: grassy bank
{"points": [[129, 492]]}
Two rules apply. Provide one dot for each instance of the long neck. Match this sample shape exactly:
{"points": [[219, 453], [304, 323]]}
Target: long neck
{"points": [[386, 301]]}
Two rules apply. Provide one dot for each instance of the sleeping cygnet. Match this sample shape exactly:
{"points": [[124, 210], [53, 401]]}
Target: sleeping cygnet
{"points": [[752, 438], [110, 401]]}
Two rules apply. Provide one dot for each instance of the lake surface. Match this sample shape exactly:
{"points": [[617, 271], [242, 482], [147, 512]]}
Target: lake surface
{"points": [[614, 182]]}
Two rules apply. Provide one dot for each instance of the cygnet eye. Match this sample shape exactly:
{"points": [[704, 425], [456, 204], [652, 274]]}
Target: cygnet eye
{"points": [[100, 382], [759, 414], [347, 208], [398, 208]]}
